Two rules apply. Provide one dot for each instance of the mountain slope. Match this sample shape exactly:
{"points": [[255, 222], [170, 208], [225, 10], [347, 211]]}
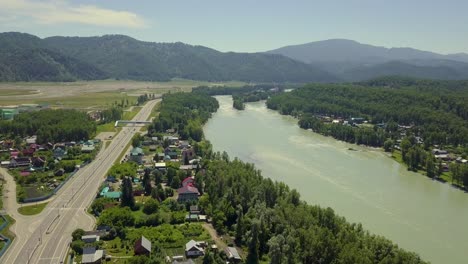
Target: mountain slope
{"points": [[125, 57], [23, 58]]}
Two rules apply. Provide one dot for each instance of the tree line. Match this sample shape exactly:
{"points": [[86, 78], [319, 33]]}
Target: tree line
{"points": [[50, 125], [439, 117], [184, 112]]}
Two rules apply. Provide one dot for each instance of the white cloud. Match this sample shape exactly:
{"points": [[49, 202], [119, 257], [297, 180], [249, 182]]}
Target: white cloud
{"points": [[53, 11]]}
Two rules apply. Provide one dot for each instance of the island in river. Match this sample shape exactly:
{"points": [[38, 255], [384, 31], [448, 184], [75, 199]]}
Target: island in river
{"points": [[364, 186]]}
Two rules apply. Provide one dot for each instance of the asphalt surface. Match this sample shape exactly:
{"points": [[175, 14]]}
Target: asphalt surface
{"points": [[45, 238]]}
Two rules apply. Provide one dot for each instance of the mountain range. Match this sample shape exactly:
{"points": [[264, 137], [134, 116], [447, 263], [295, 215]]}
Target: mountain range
{"points": [[24, 57], [350, 60]]}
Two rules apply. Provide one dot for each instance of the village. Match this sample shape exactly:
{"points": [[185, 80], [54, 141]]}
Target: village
{"points": [[166, 218], [41, 169], [441, 156]]}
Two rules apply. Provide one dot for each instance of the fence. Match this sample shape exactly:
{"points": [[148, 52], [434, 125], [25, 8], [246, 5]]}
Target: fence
{"points": [[45, 197]]}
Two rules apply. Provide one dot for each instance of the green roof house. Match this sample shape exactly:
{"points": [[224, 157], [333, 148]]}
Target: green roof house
{"points": [[136, 155]]}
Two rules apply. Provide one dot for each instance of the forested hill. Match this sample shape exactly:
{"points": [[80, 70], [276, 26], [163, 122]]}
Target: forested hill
{"points": [[354, 61], [25, 57]]}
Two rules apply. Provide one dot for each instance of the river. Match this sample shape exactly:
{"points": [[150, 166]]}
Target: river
{"points": [[364, 186]]}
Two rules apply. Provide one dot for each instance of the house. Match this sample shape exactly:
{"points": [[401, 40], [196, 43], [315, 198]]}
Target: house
{"points": [[154, 139], [31, 140], [29, 152], [172, 140], [189, 181], [98, 233], [5, 164], [91, 255], [136, 155], [173, 155], [188, 154], [14, 154], [112, 195], [160, 165], [90, 238], [59, 152], [187, 193], [147, 142], [20, 162], [142, 246], [232, 254], [87, 148], [184, 144], [38, 162], [160, 156], [194, 248], [356, 120], [186, 167]]}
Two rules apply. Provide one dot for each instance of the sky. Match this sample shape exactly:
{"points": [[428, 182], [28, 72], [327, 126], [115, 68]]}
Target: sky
{"points": [[249, 25]]}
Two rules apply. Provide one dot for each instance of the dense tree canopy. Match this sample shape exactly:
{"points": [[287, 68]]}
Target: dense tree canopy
{"points": [[51, 125], [439, 114], [186, 113], [270, 219]]}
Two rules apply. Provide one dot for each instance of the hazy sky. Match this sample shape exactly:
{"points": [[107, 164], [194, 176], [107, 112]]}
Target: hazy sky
{"points": [[249, 25]]}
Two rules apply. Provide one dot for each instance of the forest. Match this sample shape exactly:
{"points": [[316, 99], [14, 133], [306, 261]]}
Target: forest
{"points": [[50, 126], [186, 113], [437, 114]]}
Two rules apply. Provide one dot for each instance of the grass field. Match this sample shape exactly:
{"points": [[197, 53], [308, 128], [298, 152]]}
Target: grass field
{"points": [[129, 115], [86, 94], [32, 209], [108, 127], [11, 92]]}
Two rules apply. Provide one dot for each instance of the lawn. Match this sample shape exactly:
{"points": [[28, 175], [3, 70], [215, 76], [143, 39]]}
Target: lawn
{"points": [[32, 209], [129, 115], [107, 127]]}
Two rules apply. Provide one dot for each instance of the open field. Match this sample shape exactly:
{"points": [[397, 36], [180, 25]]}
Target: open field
{"points": [[11, 92], [83, 94]]}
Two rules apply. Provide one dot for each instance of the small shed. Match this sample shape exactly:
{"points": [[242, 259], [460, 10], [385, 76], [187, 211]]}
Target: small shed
{"points": [[142, 246]]}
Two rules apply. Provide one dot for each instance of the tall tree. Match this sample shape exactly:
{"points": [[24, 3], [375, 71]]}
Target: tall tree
{"points": [[147, 181], [127, 193], [253, 254]]}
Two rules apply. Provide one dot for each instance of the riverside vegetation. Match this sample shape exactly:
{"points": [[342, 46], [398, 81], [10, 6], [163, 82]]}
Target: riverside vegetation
{"points": [[410, 116], [267, 219]]}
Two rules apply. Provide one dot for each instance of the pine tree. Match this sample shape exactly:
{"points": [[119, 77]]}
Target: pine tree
{"points": [[127, 193]]}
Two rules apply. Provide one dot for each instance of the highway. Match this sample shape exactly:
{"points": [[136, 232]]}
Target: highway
{"points": [[45, 238]]}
